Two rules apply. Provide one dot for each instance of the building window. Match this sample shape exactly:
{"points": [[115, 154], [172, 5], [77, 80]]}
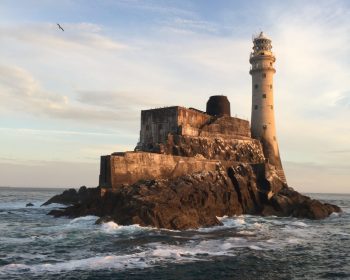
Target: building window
{"points": [[271, 107], [256, 86], [270, 63], [270, 86], [264, 126], [264, 95], [256, 107], [147, 127], [264, 75]]}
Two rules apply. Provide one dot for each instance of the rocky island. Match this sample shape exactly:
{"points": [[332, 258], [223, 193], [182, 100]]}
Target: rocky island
{"points": [[191, 166]]}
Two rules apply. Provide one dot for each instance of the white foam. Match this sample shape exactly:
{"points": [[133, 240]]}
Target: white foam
{"points": [[334, 215], [221, 218], [109, 227], [94, 263], [246, 232], [241, 223], [258, 225], [191, 251], [84, 220], [293, 240], [53, 205], [114, 228], [152, 253], [299, 224], [254, 247]]}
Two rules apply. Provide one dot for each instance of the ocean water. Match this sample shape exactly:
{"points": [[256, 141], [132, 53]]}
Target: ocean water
{"points": [[36, 246]]}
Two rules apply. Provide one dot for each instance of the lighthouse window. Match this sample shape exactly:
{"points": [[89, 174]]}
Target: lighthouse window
{"points": [[264, 75], [271, 107], [270, 86], [256, 107], [264, 95], [256, 86]]}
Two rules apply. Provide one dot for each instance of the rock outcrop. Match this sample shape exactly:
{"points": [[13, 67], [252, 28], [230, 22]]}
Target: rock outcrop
{"points": [[188, 169], [195, 200], [70, 196]]}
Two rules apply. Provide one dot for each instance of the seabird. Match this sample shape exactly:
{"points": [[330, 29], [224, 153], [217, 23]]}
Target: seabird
{"points": [[60, 27]]}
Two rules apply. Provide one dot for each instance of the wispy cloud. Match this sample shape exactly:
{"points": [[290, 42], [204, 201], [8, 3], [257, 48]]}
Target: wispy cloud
{"points": [[76, 37], [20, 91]]}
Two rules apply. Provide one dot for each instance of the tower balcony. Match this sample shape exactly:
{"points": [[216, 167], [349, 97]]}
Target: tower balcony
{"points": [[261, 56], [261, 69]]}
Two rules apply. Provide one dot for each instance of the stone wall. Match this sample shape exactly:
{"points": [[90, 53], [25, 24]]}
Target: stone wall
{"points": [[226, 127], [190, 121], [130, 167], [105, 171], [157, 124]]}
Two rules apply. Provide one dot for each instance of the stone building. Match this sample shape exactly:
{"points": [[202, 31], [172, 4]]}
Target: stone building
{"points": [[176, 140]]}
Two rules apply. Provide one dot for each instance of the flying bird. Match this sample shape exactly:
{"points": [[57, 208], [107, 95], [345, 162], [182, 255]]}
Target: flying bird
{"points": [[60, 27]]}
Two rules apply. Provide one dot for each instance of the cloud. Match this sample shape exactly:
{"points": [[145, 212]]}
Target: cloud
{"points": [[189, 26], [162, 9], [76, 37], [20, 91], [117, 100]]}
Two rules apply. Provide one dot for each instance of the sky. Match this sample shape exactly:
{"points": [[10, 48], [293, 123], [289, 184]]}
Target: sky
{"points": [[68, 97]]}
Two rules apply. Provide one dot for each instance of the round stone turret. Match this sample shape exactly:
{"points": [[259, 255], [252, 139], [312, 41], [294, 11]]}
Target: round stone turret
{"points": [[218, 105]]}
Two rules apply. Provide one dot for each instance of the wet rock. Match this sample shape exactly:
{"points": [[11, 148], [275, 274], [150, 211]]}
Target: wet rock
{"points": [[195, 200], [68, 197], [29, 204], [288, 202]]}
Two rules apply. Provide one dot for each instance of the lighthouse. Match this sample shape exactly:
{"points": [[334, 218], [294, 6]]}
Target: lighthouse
{"points": [[263, 127]]}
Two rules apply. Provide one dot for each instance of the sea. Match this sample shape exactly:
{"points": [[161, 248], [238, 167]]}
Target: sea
{"points": [[34, 245]]}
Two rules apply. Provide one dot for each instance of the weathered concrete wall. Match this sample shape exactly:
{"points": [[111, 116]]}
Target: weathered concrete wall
{"points": [[227, 127], [105, 171], [190, 121], [156, 124], [130, 167]]}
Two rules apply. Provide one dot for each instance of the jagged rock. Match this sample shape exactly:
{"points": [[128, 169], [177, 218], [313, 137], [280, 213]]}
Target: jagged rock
{"points": [[240, 150], [288, 202], [195, 200], [29, 204], [68, 197]]}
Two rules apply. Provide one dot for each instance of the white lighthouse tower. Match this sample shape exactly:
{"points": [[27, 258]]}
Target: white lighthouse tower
{"points": [[263, 118]]}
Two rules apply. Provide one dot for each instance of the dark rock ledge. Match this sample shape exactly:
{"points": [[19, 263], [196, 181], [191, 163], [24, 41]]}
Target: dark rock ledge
{"points": [[193, 201]]}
